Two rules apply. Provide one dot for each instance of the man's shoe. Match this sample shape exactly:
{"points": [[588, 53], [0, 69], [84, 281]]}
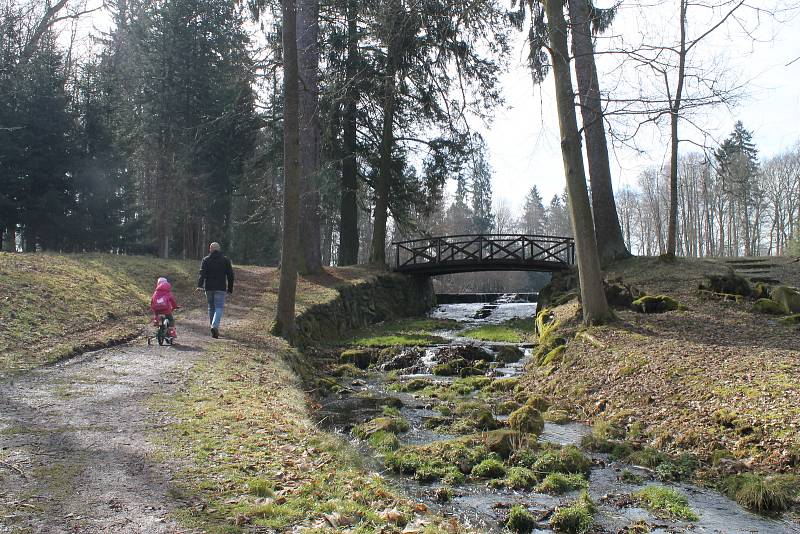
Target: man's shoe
{"points": [[214, 333]]}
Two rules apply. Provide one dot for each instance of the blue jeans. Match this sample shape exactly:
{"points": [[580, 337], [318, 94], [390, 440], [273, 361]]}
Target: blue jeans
{"points": [[216, 304]]}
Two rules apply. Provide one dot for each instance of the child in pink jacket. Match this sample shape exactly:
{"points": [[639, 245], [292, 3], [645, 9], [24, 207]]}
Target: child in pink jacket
{"points": [[163, 303]]}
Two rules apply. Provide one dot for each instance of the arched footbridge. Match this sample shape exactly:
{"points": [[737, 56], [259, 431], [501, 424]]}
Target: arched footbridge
{"points": [[483, 252]]}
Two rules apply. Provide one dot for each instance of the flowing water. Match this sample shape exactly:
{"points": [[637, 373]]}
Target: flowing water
{"points": [[482, 507]]}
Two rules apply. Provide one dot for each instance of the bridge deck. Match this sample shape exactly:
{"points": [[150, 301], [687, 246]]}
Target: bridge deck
{"points": [[484, 252]]}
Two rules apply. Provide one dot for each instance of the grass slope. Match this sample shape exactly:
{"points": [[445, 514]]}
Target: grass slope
{"points": [[54, 305], [712, 377]]}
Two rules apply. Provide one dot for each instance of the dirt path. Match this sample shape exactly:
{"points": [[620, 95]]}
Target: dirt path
{"points": [[75, 449]]}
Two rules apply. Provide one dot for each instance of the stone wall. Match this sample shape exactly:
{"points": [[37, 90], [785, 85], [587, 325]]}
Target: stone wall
{"points": [[383, 297]]}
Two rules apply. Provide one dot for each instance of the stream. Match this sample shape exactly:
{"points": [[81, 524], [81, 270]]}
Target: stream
{"points": [[482, 507]]}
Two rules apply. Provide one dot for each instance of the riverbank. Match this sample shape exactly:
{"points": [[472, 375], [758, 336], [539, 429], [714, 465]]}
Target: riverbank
{"points": [[713, 378]]}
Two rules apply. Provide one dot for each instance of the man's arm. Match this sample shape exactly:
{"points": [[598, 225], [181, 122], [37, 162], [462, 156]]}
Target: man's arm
{"points": [[229, 274], [201, 279]]}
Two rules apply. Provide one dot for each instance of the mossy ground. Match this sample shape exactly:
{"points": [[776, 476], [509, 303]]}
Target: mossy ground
{"points": [[512, 331], [403, 332], [666, 502], [668, 374], [53, 305]]}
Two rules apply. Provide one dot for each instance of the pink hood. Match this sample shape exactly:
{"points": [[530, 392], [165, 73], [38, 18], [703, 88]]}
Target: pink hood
{"points": [[163, 287]]}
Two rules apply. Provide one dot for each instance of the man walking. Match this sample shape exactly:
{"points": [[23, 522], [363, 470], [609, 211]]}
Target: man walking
{"points": [[216, 277]]}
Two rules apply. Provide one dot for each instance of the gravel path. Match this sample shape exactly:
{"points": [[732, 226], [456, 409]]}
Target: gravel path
{"points": [[75, 438]]}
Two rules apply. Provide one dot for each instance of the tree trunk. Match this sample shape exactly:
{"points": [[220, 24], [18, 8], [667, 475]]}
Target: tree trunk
{"points": [[383, 184], [611, 244], [348, 208], [310, 136], [10, 238], [672, 227], [284, 321], [595, 307]]}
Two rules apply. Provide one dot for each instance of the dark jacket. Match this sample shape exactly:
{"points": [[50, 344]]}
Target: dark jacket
{"points": [[214, 271]]}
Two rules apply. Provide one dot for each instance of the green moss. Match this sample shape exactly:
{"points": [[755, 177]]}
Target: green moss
{"points": [[680, 468], [666, 502], [508, 354], [260, 487], [384, 441], [549, 341], [521, 478], [526, 420], [567, 460], [559, 483], [656, 304], [629, 477], [718, 455], [474, 382], [760, 493], [404, 332], [513, 331], [576, 518], [787, 297], [447, 460], [520, 520], [792, 319], [647, 457], [501, 385], [558, 417], [489, 468], [393, 425], [346, 369], [538, 402], [451, 368], [506, 407], [603, 429], [360, 358], [769, 307], [412, 385]]}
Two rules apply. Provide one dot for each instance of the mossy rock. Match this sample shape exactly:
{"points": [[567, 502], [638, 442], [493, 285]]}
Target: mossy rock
{"points": [[557, 417], [538, 402], [769, 307], [500, 442], [655, 304], [762, 291], [508, 354], [346, 369], [559, 483], [620, 295], [489, 468], [502, 385], [792, 319], [788, 298], [470, 371], [393, 425], [361, 358], [521, 478], [451, 368], [526, 420], [728, 283], [506, 407], [567, 460], [576, 518], [520, 520], [474, 415], [384, 441]]}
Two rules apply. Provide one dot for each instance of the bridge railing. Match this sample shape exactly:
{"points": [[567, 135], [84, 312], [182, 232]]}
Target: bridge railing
{"points": [[485, 249]]}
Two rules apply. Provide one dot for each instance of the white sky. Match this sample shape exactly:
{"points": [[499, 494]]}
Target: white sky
{"points": [[524, 142]]}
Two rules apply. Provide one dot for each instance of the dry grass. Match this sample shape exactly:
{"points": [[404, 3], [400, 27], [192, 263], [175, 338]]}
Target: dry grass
{"points": [[55, 305], [676, 372]]}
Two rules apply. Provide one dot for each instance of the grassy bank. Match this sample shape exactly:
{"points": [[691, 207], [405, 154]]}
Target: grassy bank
{"points": [[714, 379], [55, 305]]}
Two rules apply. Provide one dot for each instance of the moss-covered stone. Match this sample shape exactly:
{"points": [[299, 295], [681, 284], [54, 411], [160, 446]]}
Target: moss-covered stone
{"points": [[769, 307], [470, 371], [526, 420], [508, 354], [506, 407], [557, 417], [501, 385], [392, 425], [792, 319], [665, 502], [559, 483], [787, 297], [489, 468], [538, 402], [576, 518], [446, 460], [384, 441], [520, 520], [450, 368], [565, 460], [521, 478], [361, 358], [762, 291], [728, 283], [655, 304]]}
